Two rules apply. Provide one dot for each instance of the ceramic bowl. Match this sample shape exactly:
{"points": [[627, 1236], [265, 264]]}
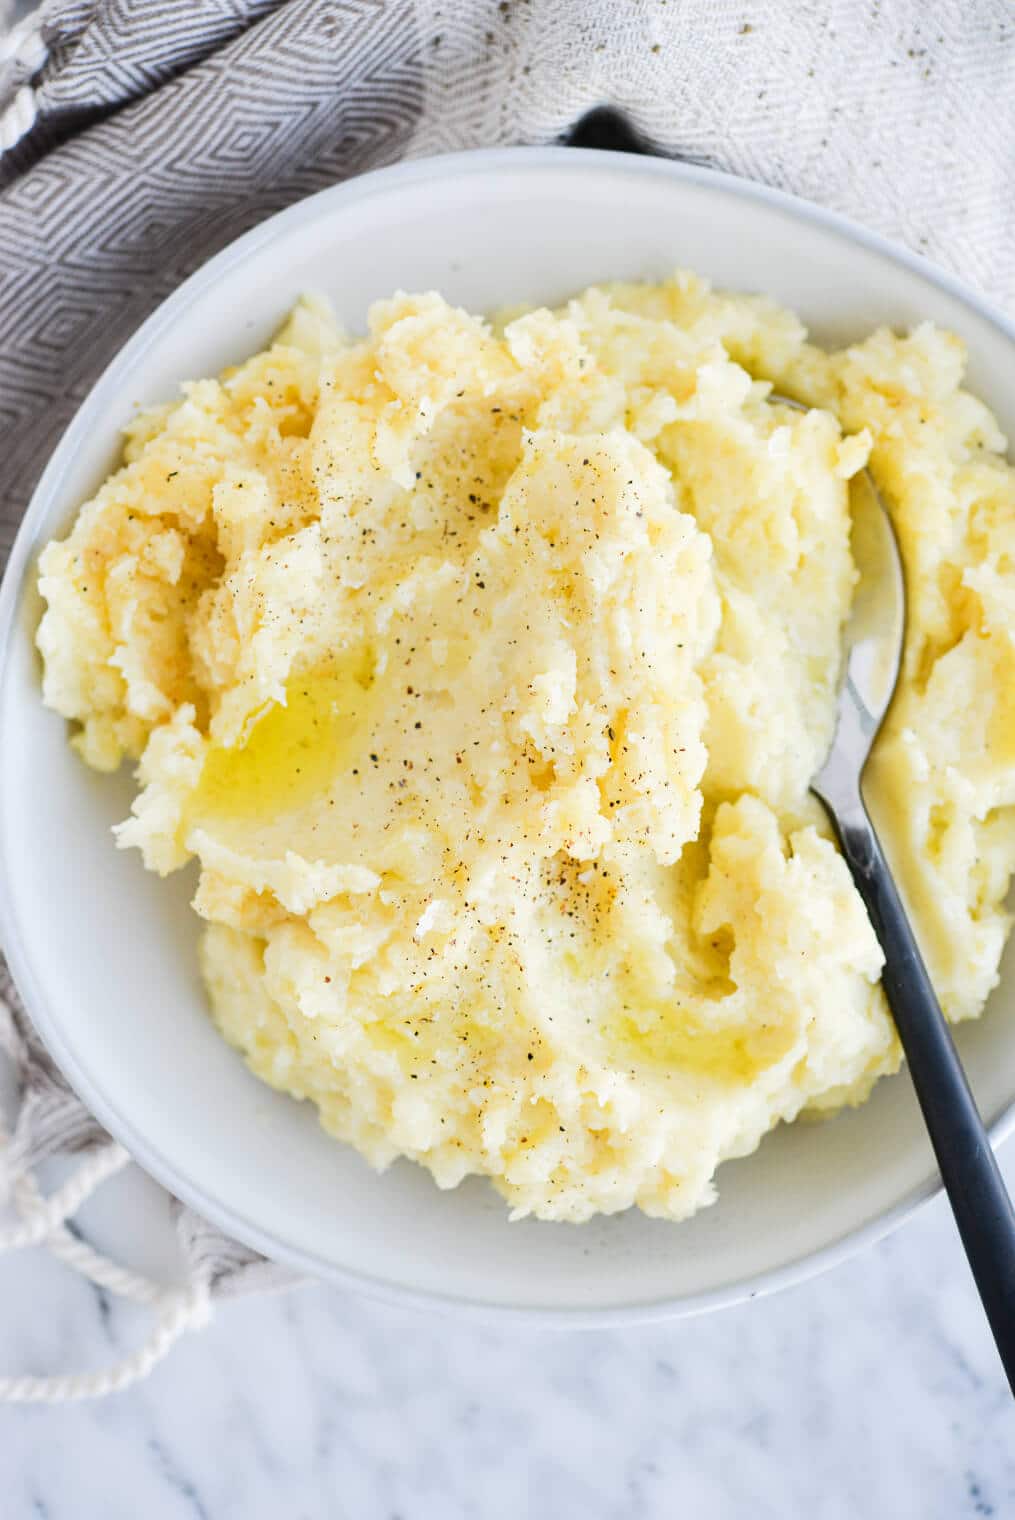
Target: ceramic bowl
{"points": [[104, 953]]}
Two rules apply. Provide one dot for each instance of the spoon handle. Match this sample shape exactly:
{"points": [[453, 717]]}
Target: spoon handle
{"points": [[980, 1201]]}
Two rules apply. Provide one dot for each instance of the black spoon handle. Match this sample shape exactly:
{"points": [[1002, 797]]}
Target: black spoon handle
{"points": [[979, 1198]]}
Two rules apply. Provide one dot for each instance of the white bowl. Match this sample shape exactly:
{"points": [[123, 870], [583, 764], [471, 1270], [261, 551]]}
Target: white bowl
{"points": [[104, 953]]}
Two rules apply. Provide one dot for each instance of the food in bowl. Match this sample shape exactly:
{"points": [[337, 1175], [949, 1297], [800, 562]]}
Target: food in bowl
{"points": [[483, 667]]}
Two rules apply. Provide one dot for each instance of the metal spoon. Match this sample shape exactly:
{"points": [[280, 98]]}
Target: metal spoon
{"points": [[873, 642], [873, 648]]}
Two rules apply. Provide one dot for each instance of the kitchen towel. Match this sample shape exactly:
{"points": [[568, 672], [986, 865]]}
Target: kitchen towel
{"points": [[138, 137]]}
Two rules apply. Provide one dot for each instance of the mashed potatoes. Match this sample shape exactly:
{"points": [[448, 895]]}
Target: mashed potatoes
{"points": [[484, 669]]}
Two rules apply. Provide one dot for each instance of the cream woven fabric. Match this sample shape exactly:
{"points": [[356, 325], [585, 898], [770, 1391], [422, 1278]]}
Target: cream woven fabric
{"points": [[137, 137]]}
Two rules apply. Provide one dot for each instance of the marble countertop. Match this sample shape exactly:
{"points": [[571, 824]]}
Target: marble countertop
{"points": [[871, 1393]]}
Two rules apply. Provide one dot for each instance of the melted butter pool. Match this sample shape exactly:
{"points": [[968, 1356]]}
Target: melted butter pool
{"points": [[733, 1054], [294, 750]]}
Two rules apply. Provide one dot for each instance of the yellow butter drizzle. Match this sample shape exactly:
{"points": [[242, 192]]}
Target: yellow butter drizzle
{"points": [[675, 1038], [294, 750]]}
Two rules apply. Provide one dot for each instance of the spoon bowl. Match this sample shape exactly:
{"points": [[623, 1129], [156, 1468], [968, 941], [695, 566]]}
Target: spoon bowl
{"points": [[872, 640]]}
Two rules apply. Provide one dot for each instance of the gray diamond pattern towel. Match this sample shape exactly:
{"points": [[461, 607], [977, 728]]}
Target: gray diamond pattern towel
{"points": [[138, 137]]}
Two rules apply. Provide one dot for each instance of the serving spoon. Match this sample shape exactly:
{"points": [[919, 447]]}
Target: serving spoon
{"points": [[872, 643]]}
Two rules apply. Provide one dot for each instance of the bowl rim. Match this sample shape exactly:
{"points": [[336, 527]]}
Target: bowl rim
{"points": [[217, 1210]]}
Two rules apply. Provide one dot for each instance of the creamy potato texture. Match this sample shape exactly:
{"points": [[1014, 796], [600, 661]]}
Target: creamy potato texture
{"points": [[483, 668]]}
